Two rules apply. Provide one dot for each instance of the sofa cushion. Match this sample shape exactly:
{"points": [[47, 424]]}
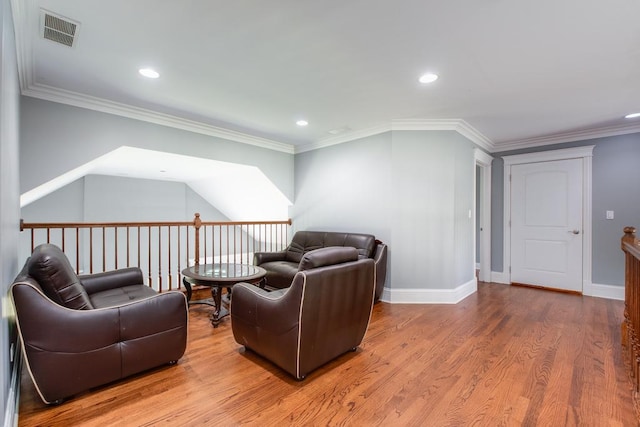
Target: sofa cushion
{"points": [[120, 296], [364, 243], [328, 256], [280, 273], [305, 241], [50, 267]]}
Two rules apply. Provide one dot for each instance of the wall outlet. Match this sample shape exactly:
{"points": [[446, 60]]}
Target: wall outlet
{"points": [[609, 215]]}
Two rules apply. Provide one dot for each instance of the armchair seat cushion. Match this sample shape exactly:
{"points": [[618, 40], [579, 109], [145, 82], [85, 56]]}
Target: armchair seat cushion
{"points": [[280, 273], [119, 296]]}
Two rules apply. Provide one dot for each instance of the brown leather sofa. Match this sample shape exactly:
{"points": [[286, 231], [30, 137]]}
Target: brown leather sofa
{"points": [[323, 314], [79, 332], [283, 265]]}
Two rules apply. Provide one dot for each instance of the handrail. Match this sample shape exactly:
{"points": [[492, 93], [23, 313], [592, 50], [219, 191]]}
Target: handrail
{"points": [[630, 328], [162, 249]]}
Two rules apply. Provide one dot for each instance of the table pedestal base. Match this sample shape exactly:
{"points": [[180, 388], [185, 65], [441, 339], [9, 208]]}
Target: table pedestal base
{"points": [[219, 311]]}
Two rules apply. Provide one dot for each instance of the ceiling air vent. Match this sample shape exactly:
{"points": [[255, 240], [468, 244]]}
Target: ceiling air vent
{"points": [[58, 29]]}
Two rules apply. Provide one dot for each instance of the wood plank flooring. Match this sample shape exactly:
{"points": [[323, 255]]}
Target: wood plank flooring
{"points": [[505, 356]]}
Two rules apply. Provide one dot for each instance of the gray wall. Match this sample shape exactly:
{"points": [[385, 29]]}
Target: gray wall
{"points": [[345, 187], [433, 193], [9, 197], [615, 187], [412, 189], [57, 138]]}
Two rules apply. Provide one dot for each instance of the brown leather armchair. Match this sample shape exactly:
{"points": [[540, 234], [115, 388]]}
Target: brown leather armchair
{"points": [[81, 332], [323, 314]]}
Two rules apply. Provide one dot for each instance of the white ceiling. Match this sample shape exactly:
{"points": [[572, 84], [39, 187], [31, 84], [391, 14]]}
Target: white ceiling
{"points": [[512, 73]]}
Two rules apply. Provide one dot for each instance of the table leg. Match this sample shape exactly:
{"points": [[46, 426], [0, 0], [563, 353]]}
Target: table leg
{"points": [[216, 294]]}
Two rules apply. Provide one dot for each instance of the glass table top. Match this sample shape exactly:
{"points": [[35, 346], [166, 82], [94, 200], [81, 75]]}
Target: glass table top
{"points": [[222, 271]]}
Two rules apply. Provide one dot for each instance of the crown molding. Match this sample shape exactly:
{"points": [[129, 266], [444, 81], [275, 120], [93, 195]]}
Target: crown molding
{"points": [[457, 125], [75, 99], [20, 14], [346, 137], [560, 138]]}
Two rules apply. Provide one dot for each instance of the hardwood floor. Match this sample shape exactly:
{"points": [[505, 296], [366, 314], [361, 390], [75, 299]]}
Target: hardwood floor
{"points": [[505, 356]]}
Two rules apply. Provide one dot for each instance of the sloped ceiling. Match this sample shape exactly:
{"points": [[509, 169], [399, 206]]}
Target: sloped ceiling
{"points": [[253, 196]]}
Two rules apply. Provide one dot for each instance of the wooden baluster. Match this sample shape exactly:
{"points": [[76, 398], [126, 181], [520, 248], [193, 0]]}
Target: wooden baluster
{"points": [[115, 248], [149, 256], [196, 224], [128, 247], [159, 259], [104, 251], [234, 230], [78, 250], [187, 247], [169, 255], [90, 250]]}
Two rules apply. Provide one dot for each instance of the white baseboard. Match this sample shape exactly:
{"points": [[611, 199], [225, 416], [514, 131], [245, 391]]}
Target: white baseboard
{"points": [[607, 291], [588, 289], [429, 296], [454, 296]]}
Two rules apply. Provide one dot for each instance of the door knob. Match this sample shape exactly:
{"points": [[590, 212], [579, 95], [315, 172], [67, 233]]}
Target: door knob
{"points": [[574, 231]]}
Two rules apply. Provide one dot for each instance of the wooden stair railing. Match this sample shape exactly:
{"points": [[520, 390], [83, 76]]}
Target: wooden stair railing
{"points": [[631, 324], [161, 249]]}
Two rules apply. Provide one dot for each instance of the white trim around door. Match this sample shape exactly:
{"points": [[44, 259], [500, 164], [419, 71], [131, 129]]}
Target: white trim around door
{"points": [[483, 160], [585, 153]]}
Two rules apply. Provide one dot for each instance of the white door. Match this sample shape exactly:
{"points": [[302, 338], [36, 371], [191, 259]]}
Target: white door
{"points": [[546, 224]]}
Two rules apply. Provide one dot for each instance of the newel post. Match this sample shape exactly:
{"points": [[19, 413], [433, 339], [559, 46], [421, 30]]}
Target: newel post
{"points": [[196, 225], [629, 236], [628, 332]]}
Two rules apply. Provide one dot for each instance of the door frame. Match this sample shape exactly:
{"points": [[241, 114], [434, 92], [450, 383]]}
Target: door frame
{"points": [[483, 160], [586, 154]]}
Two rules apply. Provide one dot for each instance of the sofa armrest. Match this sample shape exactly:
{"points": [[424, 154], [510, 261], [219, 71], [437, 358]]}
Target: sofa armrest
{"points": [[262, 257], [253, 306], [161, 312], [380, 258], [154, 331], [59, 329], [111, 279]]}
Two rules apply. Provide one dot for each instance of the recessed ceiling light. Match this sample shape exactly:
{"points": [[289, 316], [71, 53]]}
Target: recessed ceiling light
{"points": [[302, 123], [632, 116], [428, 78], [149, 73]]}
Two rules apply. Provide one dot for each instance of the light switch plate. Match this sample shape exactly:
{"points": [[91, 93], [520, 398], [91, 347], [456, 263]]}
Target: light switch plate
{"points": [[609, 214]]}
